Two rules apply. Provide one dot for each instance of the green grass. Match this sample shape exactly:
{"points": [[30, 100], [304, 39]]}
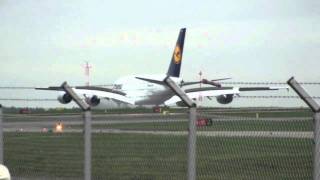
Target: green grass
{"points": [[256, 125], [129, 156], [254, 158]]}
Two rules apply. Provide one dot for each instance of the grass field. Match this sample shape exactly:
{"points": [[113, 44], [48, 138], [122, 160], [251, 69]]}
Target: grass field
{"points": [[153, 157], [139, 157]]}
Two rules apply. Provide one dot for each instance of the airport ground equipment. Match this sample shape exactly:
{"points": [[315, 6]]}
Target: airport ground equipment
{"points": [[192, 134], [314, 106], [87, 129]]}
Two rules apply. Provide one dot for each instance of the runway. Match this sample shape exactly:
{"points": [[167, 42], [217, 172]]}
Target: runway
{"points": [[146, 116], [41, 124], [230, 134], [97, 117], [73, 122]]}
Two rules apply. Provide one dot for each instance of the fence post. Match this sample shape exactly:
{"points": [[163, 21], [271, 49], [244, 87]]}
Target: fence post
{"points": [[192, 134], [316, 152], [314, 106], [1, 135], [87, 145], [87, 129], [192, 143]]}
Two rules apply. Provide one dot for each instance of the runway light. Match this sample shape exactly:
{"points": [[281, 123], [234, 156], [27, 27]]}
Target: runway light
{"points": [[44, 130], [59, 127]]}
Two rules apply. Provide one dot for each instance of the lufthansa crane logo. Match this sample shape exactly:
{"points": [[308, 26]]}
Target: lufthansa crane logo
{"points": [[177, 55]]}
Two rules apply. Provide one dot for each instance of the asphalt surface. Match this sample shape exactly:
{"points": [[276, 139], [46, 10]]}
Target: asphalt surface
{"points": [[40, 123], [244, 134]]}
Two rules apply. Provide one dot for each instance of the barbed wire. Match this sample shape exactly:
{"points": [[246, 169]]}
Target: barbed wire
{"points": [[26, 99], [17, 87], [272, 97], [270, 83], [250, 97], [231, 83], [248, 83]]}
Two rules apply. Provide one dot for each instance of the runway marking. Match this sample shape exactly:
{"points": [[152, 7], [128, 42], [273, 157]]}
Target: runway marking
{"points": [[243, 134]]}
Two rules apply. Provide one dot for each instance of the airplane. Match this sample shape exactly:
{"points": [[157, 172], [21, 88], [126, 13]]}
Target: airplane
{"points": [[150, 90]]}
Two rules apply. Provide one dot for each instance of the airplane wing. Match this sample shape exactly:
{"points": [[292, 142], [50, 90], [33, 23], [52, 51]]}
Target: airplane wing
{"points": [[195, 93], [103, 93]]}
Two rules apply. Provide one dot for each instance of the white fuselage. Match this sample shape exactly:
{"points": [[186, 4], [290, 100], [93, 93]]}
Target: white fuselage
{"points": [[143, 92]]}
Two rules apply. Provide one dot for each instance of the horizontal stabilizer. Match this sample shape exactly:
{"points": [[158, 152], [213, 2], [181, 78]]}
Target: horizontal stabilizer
{"points": [[195, 93], [207, 89], [261, 88], [155, 81], [52, 88]]}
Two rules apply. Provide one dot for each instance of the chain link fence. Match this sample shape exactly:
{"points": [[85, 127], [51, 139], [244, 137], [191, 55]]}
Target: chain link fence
{"points": [[240, 143], [255, 145], [35, 148], [140, 147]]}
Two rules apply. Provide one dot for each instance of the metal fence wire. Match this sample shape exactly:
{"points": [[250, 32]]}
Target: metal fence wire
{"points": [[255, 145], [138, 147], [242, 143], [34, 148]]}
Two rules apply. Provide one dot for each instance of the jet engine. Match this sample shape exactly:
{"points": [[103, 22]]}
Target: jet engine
{"points": [[93, 100], [181, 104], [225, 99], [64, 98]]}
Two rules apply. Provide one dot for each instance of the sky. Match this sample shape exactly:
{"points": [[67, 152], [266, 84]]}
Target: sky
{"points": [[45, 43]]}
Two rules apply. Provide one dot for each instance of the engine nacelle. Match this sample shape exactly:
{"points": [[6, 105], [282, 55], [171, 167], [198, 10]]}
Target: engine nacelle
{"points": [[181, 104], [225, 99], [64, 98], [93, 100]]}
